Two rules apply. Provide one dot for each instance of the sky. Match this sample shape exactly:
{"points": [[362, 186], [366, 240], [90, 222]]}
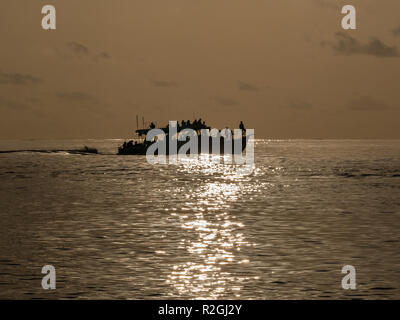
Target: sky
{"points": [[285, 68]]}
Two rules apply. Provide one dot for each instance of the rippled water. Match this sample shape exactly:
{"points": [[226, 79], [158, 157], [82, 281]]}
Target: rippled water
{"points": [[117, 227]]}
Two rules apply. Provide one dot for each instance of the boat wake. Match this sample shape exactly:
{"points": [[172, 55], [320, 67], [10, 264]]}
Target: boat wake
{"points": [[84, 151]]}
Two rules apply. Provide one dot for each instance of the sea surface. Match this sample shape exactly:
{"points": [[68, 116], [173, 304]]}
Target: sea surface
{"points": [[116, 227]]}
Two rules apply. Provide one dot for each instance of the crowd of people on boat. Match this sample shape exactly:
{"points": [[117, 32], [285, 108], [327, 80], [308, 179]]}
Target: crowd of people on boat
{"points": [[129, 144], [197, 124]]}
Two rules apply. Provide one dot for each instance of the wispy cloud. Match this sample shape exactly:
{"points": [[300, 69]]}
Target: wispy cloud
{"points": [[367, 103], [164, 84], [18, 78], [80, 51], [33, 100], [347, 45], [226, 102], [79, 100], [299, 105], [102, 55], [29, 104], [245, 86], [396, 31], [327, 4], [76, 96], [14, 105]]}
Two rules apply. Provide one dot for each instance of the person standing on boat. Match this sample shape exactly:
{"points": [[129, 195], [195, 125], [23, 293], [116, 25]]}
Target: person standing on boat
{"points": [[241, 126]]}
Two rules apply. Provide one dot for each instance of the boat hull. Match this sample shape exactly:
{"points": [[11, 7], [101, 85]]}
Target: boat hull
{"points": [[141, 148]]}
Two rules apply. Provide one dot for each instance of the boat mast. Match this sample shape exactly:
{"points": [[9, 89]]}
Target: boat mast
{"points": [[137, 127]]}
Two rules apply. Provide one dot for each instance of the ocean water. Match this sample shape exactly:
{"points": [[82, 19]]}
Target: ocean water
{"points": [[116, 227]]}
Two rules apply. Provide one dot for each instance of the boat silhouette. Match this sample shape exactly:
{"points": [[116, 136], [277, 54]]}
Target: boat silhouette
{"points": [[141, 145]]}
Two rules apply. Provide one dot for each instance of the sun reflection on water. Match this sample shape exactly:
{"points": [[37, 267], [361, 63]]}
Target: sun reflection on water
{"points": [[211, 235]]}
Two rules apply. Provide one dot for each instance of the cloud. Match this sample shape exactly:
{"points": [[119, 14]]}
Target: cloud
{"points": [[19, 106], [327, 4], [299, 105], [396, 31], [76, 96], [163, 83], [14, 105], [78, 50], [347, 45], [18, 78], [103, 55], [246, 86], [81, 100], [226, 102], [367, 103], [33, 100]]}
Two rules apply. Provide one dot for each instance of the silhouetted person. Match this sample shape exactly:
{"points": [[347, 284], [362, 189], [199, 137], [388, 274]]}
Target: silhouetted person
{"points": [[152, 125], [241, 126]]}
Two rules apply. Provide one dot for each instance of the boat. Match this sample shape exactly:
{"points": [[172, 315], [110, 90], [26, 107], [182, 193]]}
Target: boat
{"points": [[140, 145]]}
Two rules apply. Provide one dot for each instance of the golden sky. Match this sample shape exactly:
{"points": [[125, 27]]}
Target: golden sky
{"points": [[285, 67]]}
